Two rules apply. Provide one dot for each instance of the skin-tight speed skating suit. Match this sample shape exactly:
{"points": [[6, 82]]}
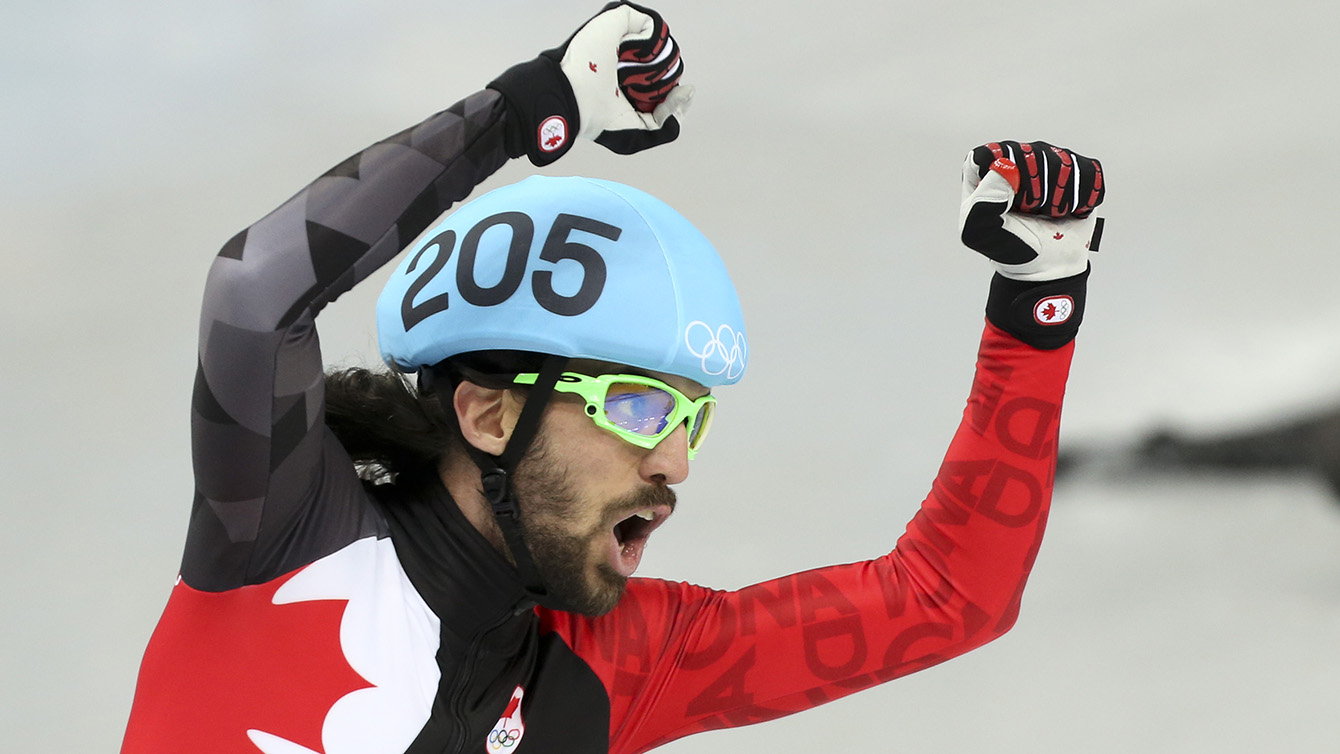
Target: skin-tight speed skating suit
{"points": [[316, 614]]}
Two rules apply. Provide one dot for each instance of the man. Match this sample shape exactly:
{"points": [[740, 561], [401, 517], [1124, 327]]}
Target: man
{"points": [[379, 566]]}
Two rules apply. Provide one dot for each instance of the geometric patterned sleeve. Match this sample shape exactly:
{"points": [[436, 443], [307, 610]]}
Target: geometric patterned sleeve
{"points": [[274, 490]]}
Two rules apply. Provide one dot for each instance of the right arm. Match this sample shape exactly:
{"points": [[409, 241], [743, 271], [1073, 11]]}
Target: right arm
{"points": [[261, 452]]}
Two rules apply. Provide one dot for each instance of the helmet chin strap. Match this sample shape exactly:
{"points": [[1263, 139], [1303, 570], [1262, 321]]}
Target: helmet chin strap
{"points": [[496, 475]]}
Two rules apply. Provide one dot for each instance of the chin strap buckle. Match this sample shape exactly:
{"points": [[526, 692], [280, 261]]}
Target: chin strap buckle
{"points": [[496, 493]]}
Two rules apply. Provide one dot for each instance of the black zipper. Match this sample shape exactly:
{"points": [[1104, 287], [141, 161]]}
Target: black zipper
{"points": [[462, 725]]}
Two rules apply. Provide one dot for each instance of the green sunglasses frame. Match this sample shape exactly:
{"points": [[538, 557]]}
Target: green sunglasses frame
{"points": [[593, 390]]}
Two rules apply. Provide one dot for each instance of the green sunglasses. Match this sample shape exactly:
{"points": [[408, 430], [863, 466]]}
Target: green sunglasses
{"points": [[641, 410]]}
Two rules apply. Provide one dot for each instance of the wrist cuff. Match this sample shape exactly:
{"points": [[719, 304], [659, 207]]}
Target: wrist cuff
{"points": [[1044, 315], [542, 118]]}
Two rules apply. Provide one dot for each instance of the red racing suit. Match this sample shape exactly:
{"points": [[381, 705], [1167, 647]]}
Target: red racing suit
{"points": [[314, 613]]}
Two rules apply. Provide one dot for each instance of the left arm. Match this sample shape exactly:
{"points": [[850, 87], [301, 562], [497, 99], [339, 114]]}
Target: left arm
{"points": [[677, 659]]}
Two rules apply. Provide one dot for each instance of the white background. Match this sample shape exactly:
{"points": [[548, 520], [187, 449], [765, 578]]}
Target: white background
{"points": [[822, 157]]}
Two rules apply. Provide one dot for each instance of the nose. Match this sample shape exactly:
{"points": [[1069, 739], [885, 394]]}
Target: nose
{"points": [[668, 462]]}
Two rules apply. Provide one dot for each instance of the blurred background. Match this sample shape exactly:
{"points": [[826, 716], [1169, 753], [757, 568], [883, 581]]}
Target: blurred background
{"points": [[1172, 609]]}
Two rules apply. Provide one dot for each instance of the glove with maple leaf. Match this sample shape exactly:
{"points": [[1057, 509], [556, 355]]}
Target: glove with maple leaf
{"points": [[1028, 207], [615, 81]]}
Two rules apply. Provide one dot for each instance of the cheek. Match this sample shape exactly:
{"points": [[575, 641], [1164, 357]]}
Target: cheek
{"points": [[586, 446], [600, 467]]}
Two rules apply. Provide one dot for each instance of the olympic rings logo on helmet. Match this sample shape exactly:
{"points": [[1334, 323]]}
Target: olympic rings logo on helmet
{"points": [[723, 351]]}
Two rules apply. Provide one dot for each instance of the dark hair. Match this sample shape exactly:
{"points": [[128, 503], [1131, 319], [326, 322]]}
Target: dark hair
{"points": [[387, 425], [390, 427]]}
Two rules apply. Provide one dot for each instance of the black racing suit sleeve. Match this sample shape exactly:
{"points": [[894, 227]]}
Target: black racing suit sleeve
{"points": [[274, 489]]}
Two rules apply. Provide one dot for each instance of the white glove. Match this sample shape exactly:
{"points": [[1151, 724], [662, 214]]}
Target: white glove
{"points": [[625, 70], [615, 81]]}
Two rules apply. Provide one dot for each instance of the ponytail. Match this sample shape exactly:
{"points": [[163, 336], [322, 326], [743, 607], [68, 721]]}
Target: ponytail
{"points": [[387, 426]]}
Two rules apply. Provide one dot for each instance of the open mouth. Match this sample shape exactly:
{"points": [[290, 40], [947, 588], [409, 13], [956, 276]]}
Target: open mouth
{"points": [[631, 535], [637, 527]]}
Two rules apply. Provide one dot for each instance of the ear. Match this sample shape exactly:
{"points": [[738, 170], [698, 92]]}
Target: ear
{"points": [[486, 416]]}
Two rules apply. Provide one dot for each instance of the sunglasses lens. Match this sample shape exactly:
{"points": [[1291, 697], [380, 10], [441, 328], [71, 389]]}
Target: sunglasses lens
{"points": [[702, 421], [640, 409]]}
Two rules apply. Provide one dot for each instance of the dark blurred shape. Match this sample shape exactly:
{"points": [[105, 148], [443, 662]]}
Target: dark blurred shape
{"points": [[1308, 444]]}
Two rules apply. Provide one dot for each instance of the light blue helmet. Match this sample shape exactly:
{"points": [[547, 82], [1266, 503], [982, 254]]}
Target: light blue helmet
{"points": [[572, 267]]}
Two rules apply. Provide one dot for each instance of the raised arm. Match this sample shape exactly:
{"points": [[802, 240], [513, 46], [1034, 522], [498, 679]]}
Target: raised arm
{"points": [[677, 659], [258, 438], [262, 455]]}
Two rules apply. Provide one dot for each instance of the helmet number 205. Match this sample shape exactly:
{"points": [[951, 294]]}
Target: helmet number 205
{"points": [[558, 246]]}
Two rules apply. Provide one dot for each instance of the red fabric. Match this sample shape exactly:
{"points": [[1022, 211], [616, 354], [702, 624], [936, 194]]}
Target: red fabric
{"points": [[677, 659], [282, 680]]}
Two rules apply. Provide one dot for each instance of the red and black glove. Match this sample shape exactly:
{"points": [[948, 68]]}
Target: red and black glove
{"points": [[1028, 208], [615, 81], [650, 65], [1053, 181]]}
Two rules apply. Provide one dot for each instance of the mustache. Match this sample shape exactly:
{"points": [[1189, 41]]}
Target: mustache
{"points": [[647, 497]]}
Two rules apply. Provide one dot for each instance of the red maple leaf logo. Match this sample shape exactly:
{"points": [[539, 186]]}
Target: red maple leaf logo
{"points": [[1059, 236], [1049, 312], [222, 663]]}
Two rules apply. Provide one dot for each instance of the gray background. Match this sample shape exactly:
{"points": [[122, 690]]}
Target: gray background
{"points": [[822, 158]]}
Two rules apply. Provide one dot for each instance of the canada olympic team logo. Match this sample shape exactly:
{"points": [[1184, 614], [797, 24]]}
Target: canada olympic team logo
{"points": [[723, 351], [553, 133], [508, 732], [1053, 310]]}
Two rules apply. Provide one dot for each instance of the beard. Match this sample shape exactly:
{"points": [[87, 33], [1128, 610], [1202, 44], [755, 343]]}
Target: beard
{"points": [[550, 512]]}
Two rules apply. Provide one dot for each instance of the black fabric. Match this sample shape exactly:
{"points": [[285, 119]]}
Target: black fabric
{"points": [[984, 232], [348, 168], [490, 641], [535, 91], [1097, 234], [1011, 306], [631, 141], [205, 404], [418, 215], [289, 430], [576, 719], [480, 602], [233, 249]]}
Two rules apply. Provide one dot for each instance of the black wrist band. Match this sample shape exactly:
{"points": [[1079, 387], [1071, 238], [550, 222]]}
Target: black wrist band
{"points": [[542, 116], [1044, 315]]}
